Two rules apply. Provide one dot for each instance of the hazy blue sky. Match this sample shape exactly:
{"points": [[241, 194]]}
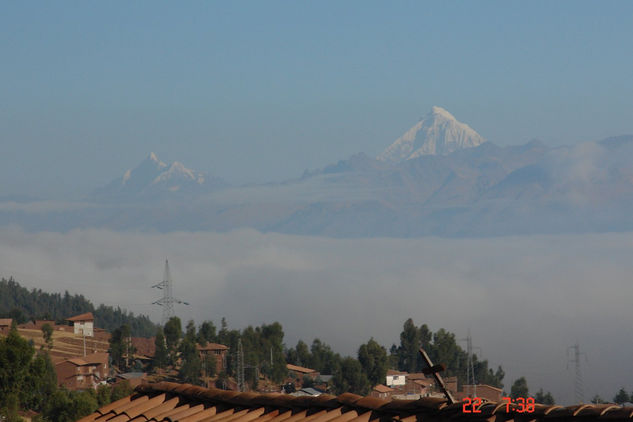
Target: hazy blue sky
{"points": [[260, 91]]}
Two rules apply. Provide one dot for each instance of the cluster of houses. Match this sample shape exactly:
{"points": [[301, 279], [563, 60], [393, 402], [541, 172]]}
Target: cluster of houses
{"points": [[92, 367], [412, 386]]}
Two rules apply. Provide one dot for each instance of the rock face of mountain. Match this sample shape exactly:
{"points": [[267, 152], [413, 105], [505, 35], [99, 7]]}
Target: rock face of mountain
{"points": [[438, 133], [153, 178]]}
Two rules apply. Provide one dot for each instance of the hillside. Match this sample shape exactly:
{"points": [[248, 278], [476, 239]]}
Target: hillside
{"points": [[23, 305]]}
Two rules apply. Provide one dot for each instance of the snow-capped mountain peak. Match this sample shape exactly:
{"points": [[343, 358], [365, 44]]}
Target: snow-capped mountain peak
{"points": [[439, 132], [153, 158], [154, 177], [442, 113]]}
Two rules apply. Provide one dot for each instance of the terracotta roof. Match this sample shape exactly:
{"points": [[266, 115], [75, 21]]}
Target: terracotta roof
{"points": [[97, 358], [383, 388], [82, 317], [416, 376], [6, 322], [301, 369], [91, 359], [75, 361], [212, 346], [187, 403]]}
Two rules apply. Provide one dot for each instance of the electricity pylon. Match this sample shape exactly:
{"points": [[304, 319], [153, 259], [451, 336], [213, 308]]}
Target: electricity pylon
{"points": [[168, 300]]}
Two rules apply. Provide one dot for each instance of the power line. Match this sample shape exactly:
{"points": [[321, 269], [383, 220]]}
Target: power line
{"points": [[168, 300]]}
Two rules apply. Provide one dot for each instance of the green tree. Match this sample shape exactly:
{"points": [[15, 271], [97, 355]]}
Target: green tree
{"points": [[69, 406], [191, 366], [409, 347], [621, 397], [209, 365], [350, 378], [519, 388], [15, 357], [47, 332], [121, 389], [104, 395], [173, 333], [40, 383], [324, 359], [160, 355], [207, 333], [121, 349], [597, 399], [543, 398], [9, 411], [373, 359]]}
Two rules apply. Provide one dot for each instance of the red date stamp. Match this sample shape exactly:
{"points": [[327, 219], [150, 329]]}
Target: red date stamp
{"points": [[522, 404]]}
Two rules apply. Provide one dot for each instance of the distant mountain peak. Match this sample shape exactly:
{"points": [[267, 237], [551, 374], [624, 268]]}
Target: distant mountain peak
{"points": [[153, 158], [442, 112], [437, 133], [153, 177]]}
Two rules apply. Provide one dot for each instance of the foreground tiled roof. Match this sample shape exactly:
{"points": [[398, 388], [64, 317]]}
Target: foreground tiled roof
{"points": [[187, 403]]}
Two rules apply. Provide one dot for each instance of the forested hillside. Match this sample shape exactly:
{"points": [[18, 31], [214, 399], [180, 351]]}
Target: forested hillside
{"points": [[22, 304]]}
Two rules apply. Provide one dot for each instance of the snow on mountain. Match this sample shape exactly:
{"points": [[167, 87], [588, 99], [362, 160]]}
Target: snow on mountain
{"points": [[438, 133], [153, 177]]}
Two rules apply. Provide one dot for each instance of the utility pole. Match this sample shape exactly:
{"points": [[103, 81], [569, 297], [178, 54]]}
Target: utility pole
{"points": [[168, 300], [578, 384]]}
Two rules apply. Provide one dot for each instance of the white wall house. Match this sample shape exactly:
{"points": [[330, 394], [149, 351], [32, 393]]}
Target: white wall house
{"points": [[83, 325], [395, 378]]}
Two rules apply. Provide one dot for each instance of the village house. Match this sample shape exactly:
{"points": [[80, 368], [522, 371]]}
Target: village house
{"points": [[83, 373], [395, 378], [5, 326], [381, 391], [297, 373], [83, 324], [216, 350]]}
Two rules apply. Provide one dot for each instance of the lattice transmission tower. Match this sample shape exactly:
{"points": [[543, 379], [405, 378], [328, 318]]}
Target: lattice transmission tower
{"points": [[241, 384], [168, 300], [578, 384], [470, 366]]}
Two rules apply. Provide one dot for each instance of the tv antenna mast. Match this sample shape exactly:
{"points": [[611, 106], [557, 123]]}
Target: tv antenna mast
{"points": [[168, 300]]}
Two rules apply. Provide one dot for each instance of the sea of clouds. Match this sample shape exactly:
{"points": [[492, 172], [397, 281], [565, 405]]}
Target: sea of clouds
{"points": [[525, 299]]}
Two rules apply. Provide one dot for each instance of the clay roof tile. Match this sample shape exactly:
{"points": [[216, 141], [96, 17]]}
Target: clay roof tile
{"points": [[170, 402]]}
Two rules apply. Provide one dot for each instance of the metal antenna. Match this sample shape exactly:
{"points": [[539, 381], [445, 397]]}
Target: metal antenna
{"points": [[578, 384], [168, 300]]}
